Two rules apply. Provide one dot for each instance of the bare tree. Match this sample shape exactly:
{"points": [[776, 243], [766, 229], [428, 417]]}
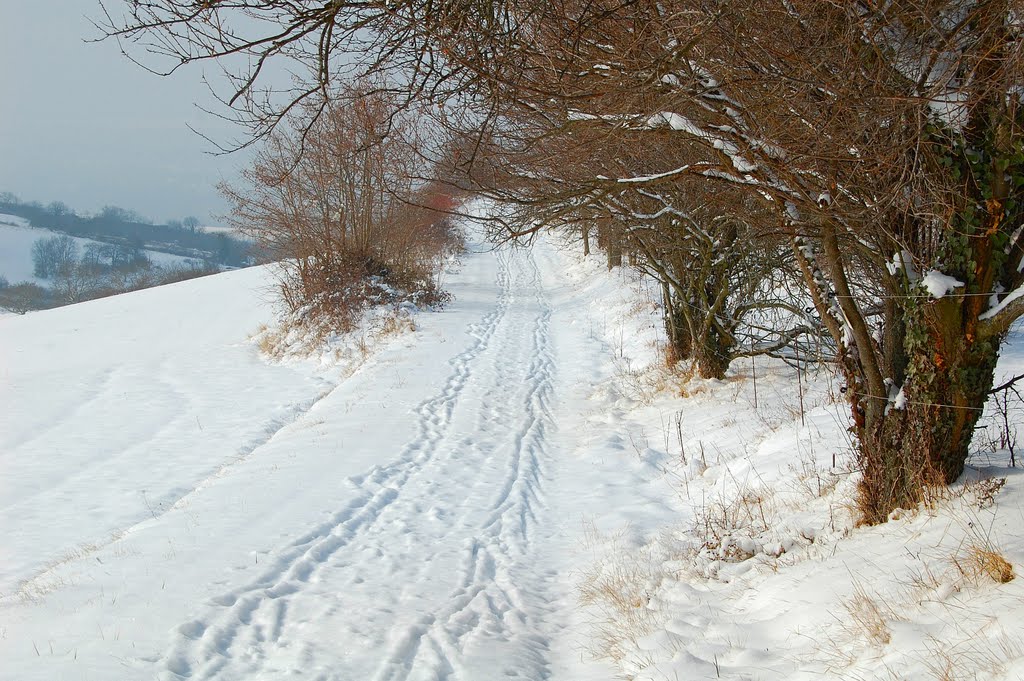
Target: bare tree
{"points": [[887, 139], [340, 206], [24, 297], [53, 256]]}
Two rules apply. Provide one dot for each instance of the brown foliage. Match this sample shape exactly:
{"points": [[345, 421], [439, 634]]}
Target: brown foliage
{"points": [[342, 203], [885, 140]]}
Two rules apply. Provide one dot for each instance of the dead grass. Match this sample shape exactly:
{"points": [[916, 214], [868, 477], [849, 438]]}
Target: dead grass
{"points": [[731, 528], [301, 337], [979, 493], [978, 561], [669, 377], [984, 491], [868, 617], [645, 384], [396, 324], [978, 557], [976, 655], [963, 642], [863, 631], [616, 591], [271, 341], [777, 413], [50, 578], [813, 480]]}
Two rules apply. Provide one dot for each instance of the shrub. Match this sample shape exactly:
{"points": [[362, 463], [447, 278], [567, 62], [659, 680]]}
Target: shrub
{"points": [[25, 297], [344, 213]]}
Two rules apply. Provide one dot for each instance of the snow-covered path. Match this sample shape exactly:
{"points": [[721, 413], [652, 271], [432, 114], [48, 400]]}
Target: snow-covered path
{"points": [[428, 569], [418, 519]]}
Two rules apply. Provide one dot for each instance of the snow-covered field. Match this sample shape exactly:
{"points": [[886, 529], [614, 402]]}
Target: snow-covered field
{"points": [[17, 237], [218, 229], [504, 492], [181, 508]]}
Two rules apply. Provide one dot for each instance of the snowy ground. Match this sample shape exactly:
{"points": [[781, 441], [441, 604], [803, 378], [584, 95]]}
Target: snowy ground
{"points": [[218, 229], [181, 508], [761, 572], [176, 506]]}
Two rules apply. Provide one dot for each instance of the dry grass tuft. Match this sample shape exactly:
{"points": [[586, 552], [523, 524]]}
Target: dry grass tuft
{"points": [[985, 490], [980, 493], [983, 560], [869, 617], [730, 528], [813, 480], [978, 556], [396, 324], [271, 341], [645, 384], [616, 590], [864, 629], [736, 525], [977, 654], [296, 336]]}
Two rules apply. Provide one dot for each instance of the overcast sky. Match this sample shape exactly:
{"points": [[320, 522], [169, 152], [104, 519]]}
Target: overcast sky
{"points": [[79, 123]]}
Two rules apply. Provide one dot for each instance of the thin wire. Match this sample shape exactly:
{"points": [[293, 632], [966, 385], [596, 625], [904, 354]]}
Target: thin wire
{"points": [[920, 404], [924, 295]]}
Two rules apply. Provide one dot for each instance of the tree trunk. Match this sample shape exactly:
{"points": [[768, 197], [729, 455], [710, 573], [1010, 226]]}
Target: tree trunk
{"points": [[680, 341], [602, 234], [612, 242], [585, 232], [614, 252], [713, 354], [923, 440]]}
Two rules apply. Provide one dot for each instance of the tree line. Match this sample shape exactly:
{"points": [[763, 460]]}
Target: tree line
{"points": [[99, 270], [840, 180], [119, 226]]}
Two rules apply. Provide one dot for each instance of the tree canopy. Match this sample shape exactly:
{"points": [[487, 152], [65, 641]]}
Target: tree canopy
{"points": [[872, 151]]}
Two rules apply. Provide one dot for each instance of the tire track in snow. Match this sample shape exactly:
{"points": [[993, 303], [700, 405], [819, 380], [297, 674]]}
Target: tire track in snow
{"points": [[202, 647], [489, 601]]}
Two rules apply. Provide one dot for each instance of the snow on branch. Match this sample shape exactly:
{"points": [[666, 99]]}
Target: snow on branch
{"points": [[997, 319], [938, 284], [1011, 298], [651, 178], [683, 124]]}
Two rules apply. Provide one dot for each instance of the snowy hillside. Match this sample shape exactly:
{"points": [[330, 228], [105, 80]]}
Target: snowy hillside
{"points": [[17, 237], [13, 221], [185, 509], [508, 491]]}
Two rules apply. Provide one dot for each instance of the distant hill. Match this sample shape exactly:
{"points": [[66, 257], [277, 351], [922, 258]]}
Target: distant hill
{"points": [[17, 237], [118, 226]]}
